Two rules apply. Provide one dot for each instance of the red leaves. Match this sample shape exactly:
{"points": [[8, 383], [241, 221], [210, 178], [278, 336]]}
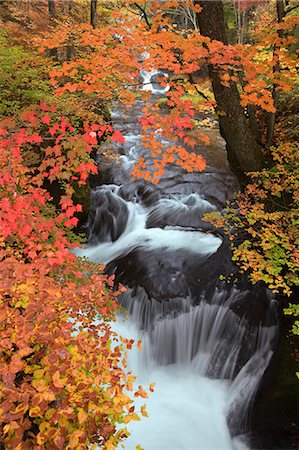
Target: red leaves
{"points": [[5, 204], [46, 120], [118, 137], [71, 222], [53, 130], [34, 138], [55, 362]]}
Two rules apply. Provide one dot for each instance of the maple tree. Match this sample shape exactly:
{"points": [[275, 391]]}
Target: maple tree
{"points": [[244, 78], [62, 379], [62, 375], [265, 221]]}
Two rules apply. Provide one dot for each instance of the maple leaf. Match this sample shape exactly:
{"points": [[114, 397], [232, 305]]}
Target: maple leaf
{"points": [[118, 137], [46, 120]]}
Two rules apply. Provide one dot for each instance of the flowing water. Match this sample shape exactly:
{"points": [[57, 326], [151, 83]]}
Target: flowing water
{"points": [[206, 343]]}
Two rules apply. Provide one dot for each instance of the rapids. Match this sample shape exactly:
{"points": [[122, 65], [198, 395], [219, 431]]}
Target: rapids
{"points": [[206, 342]]}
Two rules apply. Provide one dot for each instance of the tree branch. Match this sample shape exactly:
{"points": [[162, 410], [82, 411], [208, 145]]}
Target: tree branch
{"points": [[144, 15], [287, 11]]}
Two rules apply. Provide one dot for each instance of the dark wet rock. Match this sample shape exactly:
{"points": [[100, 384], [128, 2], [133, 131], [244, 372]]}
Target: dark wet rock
{"points": [[270, 440], [180, 216], [145, 193], [215, 187], [157, 79], [107, 218], [109, 173], [276, 409], [232, 332], [162, 277], [165, 274], [253, 305]]}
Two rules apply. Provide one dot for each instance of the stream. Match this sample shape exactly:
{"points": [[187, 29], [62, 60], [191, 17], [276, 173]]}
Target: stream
{"points": [[206, 342]]}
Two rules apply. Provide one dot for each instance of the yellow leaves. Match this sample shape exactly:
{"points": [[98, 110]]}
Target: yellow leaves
{"points": [[44, 427], [35, 411], [131, 417], [82, 416], [143, 411], [49, 396], [57, 381], [22, 407], [23, 292], [38, 374], [22, 303], [76, 438], [40, 385], [138, 447], [10, 427], [73, 349], [109, 445]]}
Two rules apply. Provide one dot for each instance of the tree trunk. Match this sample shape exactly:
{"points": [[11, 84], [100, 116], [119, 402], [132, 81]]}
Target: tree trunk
{"points": [[52, 13], [52, 9], [243, 151], [276, 69], [70, 51], [93, 13]]}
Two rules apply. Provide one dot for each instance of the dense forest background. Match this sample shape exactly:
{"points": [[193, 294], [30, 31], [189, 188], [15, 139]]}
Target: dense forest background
{"points": [[63, 64]]}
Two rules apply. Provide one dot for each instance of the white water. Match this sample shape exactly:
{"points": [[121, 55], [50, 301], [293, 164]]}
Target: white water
{"points": [[137, 235], [188, 410], [148, 85], [195, 354], [181, 409]]}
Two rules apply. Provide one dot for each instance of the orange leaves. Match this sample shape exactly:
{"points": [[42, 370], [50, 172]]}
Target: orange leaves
{"points": [[151, 387], [262, 98], [76, 438], [82, 416], [174, 126], [204, 138], [57, 381], [141, 393], [58, 373]]}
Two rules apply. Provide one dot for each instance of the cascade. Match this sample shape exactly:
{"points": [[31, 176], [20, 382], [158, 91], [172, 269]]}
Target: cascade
{"points": [[205, 343]]}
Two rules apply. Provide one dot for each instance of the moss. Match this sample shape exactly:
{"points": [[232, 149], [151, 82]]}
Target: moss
{"points": [[276, 410], [23, 78]]}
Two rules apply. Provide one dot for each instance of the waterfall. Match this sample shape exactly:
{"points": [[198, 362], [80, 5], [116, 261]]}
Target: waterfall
{"points": [[150, 81], [205, 342]]}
